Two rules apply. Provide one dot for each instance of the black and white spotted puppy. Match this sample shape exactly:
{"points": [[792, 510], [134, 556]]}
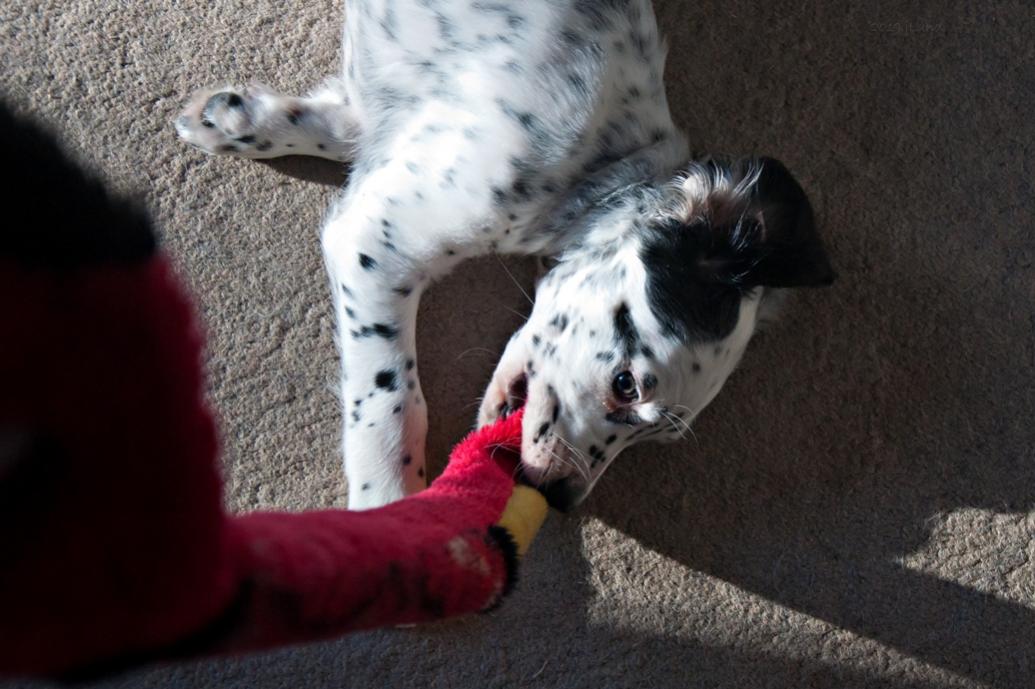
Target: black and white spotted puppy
{"points": [[535, 127]]}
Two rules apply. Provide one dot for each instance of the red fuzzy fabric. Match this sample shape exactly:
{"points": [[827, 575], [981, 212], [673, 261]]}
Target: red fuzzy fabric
{"points": [[111, 524], [114, 544], [427, 557]]}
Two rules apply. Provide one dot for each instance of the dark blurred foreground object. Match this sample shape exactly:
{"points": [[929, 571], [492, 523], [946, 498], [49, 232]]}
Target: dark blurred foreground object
{"points": [[114, 546]]}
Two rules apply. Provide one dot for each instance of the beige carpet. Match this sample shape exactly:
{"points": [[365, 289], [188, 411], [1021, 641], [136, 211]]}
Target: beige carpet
{"points": [[860, 506]]}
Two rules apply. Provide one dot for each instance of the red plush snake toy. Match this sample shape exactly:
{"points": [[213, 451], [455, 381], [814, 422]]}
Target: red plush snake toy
{"points": [[114, 543]]}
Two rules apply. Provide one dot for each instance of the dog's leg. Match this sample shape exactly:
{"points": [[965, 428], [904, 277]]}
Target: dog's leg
{"points": [[376, 287], [257, 122], [398, 227]]}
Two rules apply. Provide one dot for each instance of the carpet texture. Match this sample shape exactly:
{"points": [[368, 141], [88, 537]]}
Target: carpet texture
{"points": [[859, 507]]}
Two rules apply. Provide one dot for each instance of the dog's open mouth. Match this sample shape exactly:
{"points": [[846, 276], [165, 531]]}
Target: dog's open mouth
{"points": [[560, 493], [517, 393]]}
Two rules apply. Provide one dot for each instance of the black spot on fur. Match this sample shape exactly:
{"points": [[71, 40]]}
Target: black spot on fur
{"points": [[246, 139], [521, 189], [541, 431], [610, 439], [367, 262], [388, 332], [386, 380], [625, 330]]}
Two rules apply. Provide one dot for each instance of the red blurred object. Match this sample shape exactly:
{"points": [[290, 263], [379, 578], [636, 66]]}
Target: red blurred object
{"points": [[114, 544]]}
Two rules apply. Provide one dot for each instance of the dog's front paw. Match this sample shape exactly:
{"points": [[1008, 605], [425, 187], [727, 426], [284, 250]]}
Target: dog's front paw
{"points": [[225, 122]]}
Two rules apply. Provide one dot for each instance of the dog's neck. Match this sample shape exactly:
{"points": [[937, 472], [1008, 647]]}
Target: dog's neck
{"points": [[636, 183]]}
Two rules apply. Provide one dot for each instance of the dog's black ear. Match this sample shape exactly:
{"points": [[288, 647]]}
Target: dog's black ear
{"points": [[744, 227], [768, 235]]}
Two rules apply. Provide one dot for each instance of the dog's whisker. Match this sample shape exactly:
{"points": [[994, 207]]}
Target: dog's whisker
{"points": [[579, 462], [567, 462], [513, 311], [675, 417], [479, 350], [690, 415], [513, 279], [668, 416]]}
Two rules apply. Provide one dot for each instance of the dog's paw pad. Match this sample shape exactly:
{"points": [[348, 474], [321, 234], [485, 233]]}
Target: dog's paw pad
{"points": [[223, 122]]}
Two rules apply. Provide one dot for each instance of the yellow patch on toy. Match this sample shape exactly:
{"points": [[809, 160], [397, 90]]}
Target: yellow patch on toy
{"points": [[523, 516]]}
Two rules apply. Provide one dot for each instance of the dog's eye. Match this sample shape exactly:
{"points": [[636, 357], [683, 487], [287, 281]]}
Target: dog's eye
{"points": [[624, 387]]}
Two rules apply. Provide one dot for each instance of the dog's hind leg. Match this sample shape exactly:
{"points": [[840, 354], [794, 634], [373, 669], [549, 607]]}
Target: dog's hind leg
{"points": [[257, 122]]}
